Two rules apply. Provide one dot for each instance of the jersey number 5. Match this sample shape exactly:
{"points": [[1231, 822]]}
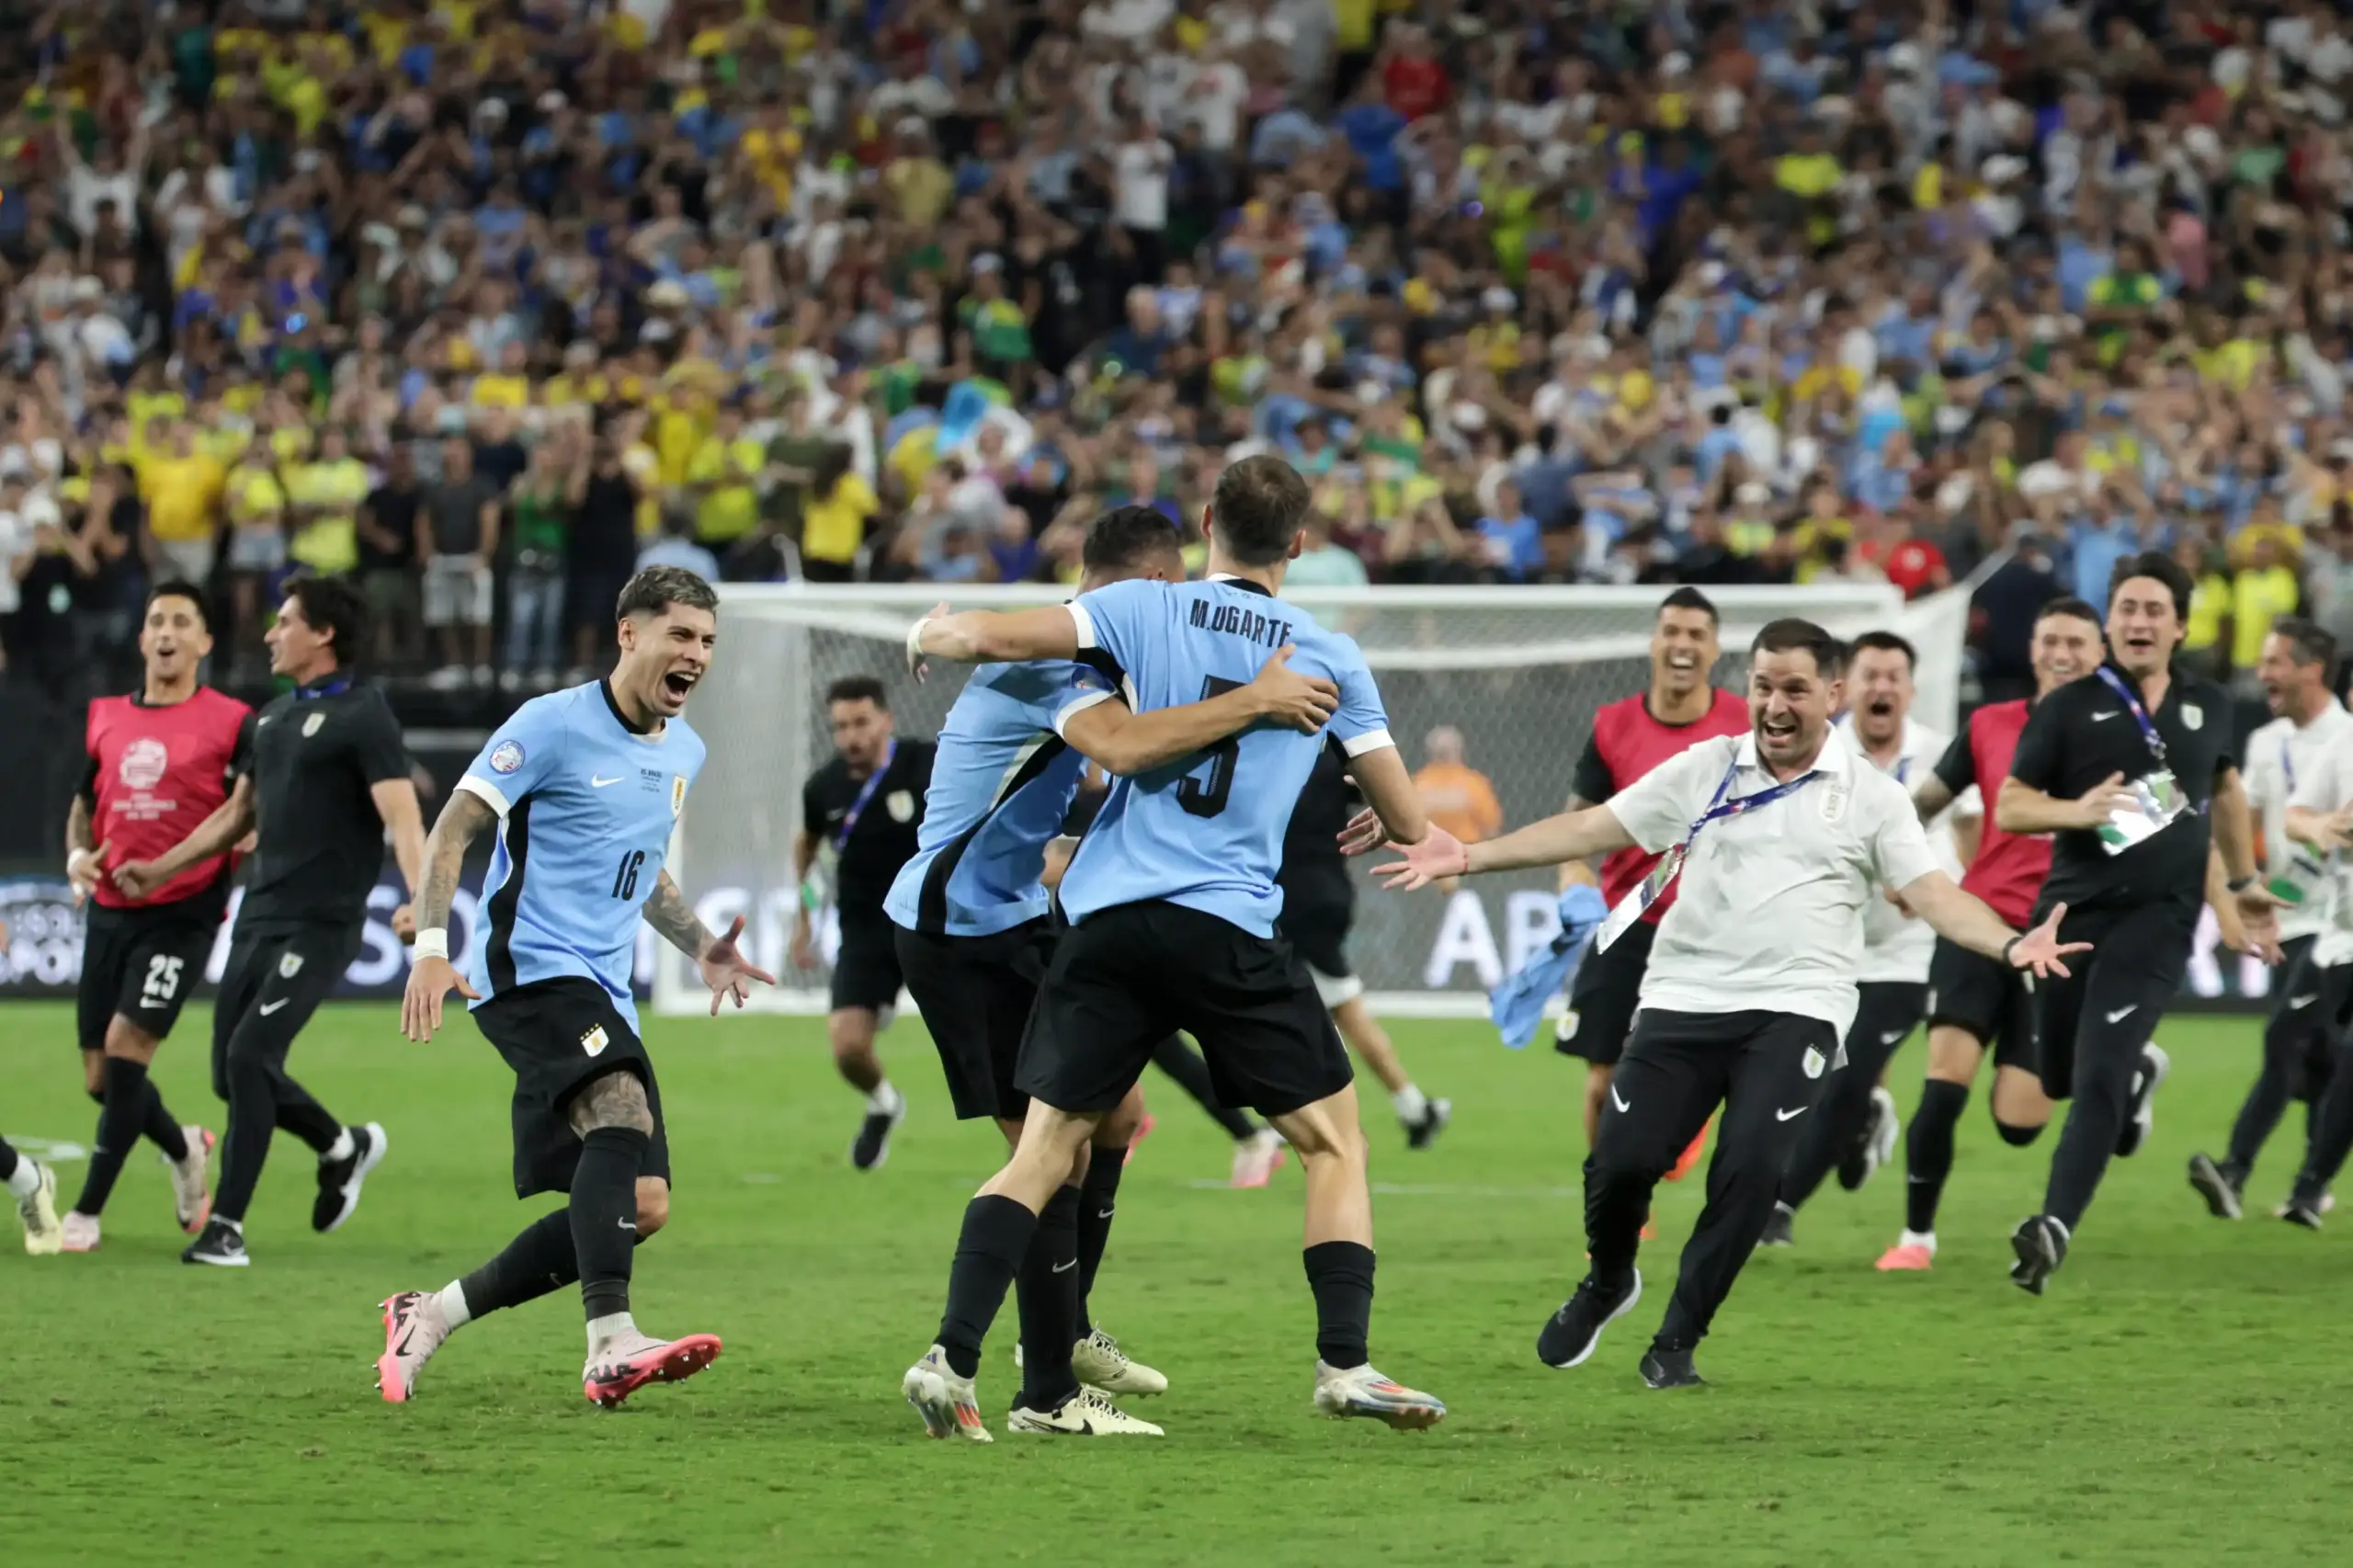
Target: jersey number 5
{"points": [[1206, 798], [625, 876]]}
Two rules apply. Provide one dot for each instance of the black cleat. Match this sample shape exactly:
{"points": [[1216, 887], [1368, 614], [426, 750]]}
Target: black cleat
{"points": [[1780, 1230], [1571, 1335], [223, 1245], [1423, 1133], [1671, 1370], [2142, 1112], [2301, 1210], [872, 1145], [2222, 1188], [2040, 1243], [340, 1180]]}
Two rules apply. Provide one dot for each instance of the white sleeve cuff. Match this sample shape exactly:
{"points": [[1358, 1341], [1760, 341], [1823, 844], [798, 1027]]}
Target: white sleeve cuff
{"points": [[1084, 623], [1079, 704], [488, 793], [1372, 740]]}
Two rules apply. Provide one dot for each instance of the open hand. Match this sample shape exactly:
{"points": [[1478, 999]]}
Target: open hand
{"points": [[2039, 950], [2259, 920], [1439, 855], [429, 982], [1364, 834], [1299, 701], [2095, 805], [726, 971]]}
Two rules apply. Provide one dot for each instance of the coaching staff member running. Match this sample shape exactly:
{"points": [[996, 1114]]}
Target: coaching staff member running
{"points": [[863, 811], [2125, 768], [330, 780], [1782, 840]]}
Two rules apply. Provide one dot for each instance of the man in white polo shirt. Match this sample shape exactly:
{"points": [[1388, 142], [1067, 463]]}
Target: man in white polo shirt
{"points": [[1782, 840]]}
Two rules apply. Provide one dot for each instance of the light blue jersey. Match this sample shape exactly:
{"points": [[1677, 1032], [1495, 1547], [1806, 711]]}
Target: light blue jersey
{"points": [[1000, 785], [1206, 833], [585, 808]]}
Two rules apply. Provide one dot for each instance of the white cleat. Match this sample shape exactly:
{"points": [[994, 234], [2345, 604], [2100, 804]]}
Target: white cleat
{"points": [[1099, 1363], [43, 1235], [1256, 1158], [78, 1233], [1087, 1414], [1362, 1391], [2147, 1080], [415, 1328], [949, 1406], [1884, 1129], [191, 1199]]}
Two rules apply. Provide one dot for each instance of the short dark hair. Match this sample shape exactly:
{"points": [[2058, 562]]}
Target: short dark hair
{"points": [[1691, 598], [858, 688], [1790, 635], [657, 589], [1126, 536], [2308, 644], [1886, 642], [332, 606], [2164, 568], [2067, 605], [1256, 509], [180, 588]]}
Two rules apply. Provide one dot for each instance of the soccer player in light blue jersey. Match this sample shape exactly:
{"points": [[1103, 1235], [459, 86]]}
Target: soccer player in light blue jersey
{"points": [[1174, 901], [586, 786], [975, 937]]}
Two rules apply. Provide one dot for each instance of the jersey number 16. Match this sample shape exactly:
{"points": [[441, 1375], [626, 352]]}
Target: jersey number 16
{"points": [[625, 876]]}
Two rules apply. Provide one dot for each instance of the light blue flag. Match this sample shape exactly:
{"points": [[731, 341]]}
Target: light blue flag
{"points": [[1517, 1004]]}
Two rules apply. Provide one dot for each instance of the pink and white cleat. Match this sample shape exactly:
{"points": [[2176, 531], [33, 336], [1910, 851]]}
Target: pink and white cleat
{"points": [[78, 1233], [1144, 1130], [1258, 1157], [627, 1364], [1912, 1254], [415, 1328], [191, 1199]]}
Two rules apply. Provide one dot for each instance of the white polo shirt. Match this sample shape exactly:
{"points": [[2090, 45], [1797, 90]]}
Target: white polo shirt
{"points": [[1770, 910], [1896, 945], [2326, 786], [2280, 757]]}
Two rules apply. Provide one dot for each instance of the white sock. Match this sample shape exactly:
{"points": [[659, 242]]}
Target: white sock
{"points": [[236, 1225], [885, 1100], [343, 1148], [603, 1331], [24, 1180], [1918, 1239], [454, 1311], [1412, 1105]]}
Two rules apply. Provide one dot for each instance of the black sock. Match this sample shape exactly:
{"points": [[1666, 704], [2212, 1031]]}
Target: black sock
{"points": [[1340, 1273], [1098, 1199], [119, 1123], [8, 1157], [1927, 1152], [537, 1263], [603, 1216], [989, 1250], [1182, 1062], [1047, 1294], [160, 1127]]}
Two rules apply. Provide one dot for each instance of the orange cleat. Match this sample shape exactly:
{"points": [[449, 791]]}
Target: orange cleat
{"points": [[1691, 1157], [1907, 1257]]}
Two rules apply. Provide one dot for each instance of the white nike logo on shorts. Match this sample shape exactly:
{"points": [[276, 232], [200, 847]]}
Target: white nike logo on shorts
{"points": [[598, 782], [1066, 1267], [1619, 1100], [1892, 1036], [267, 1009], [2121, 1014], [1788, 1115], [2294, 1002]]}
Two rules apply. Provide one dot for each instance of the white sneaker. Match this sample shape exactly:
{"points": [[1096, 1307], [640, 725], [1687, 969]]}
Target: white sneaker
{"points": [[191, 1203], [1360, 1390], [1099, 1363], [1886, 1125], [949, 1406], [415, 1327], [78, 1233], [43, 1234], [1256, 1158], [2147, 1081], [1087, 1414]]}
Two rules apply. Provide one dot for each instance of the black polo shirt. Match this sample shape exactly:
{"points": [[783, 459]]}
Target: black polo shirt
{"points": [[317, 752], [2082, 733], [884, 838]]}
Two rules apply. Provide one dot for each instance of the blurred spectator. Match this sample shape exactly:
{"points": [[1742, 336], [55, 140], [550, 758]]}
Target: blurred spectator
{"points": [[1458, 797], [458, 518]]}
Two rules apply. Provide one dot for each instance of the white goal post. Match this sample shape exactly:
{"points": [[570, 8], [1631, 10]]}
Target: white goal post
{"points": [[1519, 672]]}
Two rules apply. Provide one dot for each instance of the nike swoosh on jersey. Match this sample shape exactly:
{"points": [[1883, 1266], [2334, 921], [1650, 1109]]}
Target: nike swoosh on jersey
{"points": [[597, 781], [2109, 714], [1788, 1115]]}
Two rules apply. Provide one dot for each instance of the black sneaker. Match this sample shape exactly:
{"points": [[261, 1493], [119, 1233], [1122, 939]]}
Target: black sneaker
{"points": [[1571, 1335], [1434, 1116], [223, 1245], [339, 1180], [872, 1145], [2301, 1210], [2221, 1188], [2142, 1114], [1671, 1370], [2040, 1243], [1780, 1230]]}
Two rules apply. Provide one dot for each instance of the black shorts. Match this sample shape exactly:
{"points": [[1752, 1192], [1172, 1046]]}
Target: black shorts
{"points": [[1604, 996], [1989, 999], [1318, 932], [1124, 978], [141, 964], [1885, 1012], [559, 1035], [274, 979], [866, 966], [975, 994]]}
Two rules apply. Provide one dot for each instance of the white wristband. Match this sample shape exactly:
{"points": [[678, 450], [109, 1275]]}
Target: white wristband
{"points": [[433, 942], [915, 644], [76, 860]]}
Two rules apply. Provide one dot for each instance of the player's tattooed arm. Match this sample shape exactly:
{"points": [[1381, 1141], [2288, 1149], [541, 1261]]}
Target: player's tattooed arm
{"points": [[466, 814], [667, 912]]}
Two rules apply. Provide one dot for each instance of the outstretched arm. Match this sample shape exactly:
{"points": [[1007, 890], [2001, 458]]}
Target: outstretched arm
{"points": [[983, 636], [720, 961], [673, 920], [1964, 919], [439, 860]]}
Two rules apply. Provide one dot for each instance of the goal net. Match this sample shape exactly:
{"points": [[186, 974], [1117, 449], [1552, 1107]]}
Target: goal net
{"points": [[1518, 672]]}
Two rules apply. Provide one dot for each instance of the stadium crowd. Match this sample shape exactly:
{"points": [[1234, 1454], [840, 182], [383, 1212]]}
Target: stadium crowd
{"points": [[484, 302]]}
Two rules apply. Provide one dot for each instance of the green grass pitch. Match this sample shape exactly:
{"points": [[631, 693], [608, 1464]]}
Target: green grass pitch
{"points": [[2183, 1395]]}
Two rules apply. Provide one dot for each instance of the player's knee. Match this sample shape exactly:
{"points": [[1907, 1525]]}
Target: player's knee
{"points": [[93, 1076], [851, 1033], [128, 1040], [2016, 1136], [652, 1207], [1119, 1128]]}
